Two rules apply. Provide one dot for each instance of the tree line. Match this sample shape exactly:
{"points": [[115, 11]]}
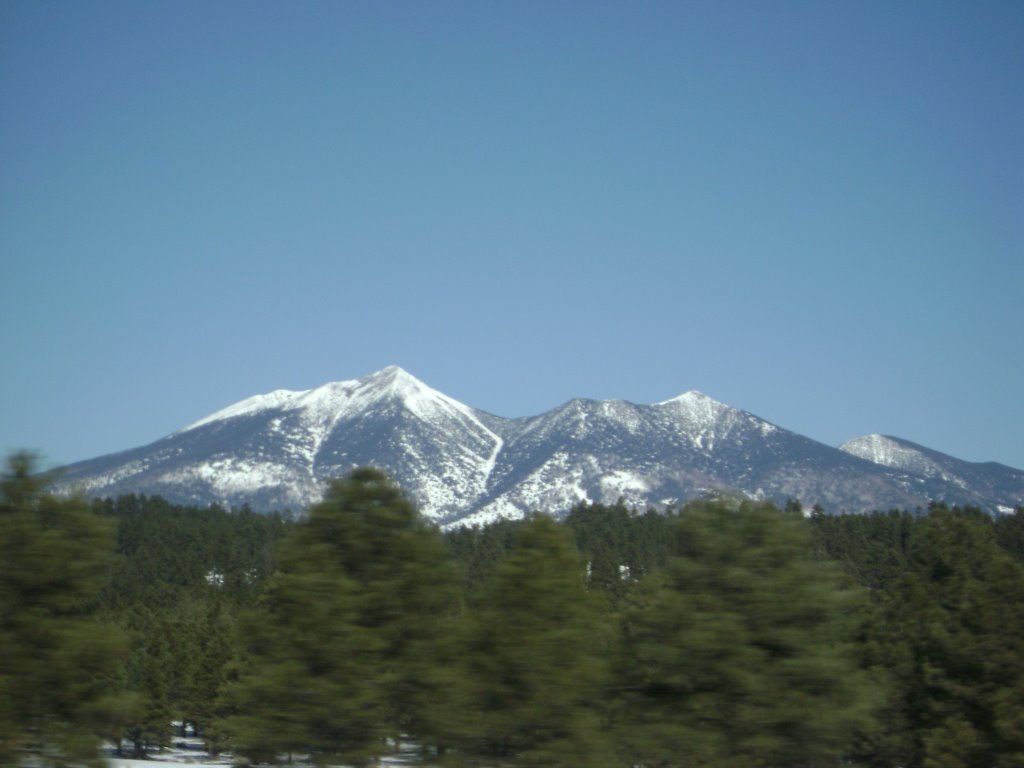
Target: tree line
{"points": [[724, 633]]}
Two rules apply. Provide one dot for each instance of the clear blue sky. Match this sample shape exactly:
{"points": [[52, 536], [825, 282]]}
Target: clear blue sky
{"points": [[813, 211]]}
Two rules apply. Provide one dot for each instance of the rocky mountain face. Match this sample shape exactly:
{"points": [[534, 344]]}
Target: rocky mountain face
{"points": [[464, 466], [989, 485]]}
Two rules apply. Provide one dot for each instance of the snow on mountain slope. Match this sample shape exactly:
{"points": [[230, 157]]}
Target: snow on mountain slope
{"points": [[279, 398], [944, 477], [463, 466], [704, 420], [282, 448], [661, 455], [899, 454], [318, 410]]}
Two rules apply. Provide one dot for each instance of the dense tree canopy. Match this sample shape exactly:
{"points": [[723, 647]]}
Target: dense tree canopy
{"points": [[720, 634], [57, 662], [346, 658], [535, 659], [739, 652], [951, 634]]}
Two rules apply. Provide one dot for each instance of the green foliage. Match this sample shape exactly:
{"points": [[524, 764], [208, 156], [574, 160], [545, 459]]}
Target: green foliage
{"points": [[535, 659], [180, 577], [477, 551], [872, 549], [951, 633], [345, 654], [1009, 530], [148, 671], [166, 552], [738, 653], [748, 636], [619, 545], [308, 685], [57, 662]]}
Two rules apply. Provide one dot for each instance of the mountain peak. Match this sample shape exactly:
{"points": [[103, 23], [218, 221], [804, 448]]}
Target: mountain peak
{"points": [[690, 396], [329, 401], [696, 402], [392, 385], [393, 380], [390, 372], [398, 384]]}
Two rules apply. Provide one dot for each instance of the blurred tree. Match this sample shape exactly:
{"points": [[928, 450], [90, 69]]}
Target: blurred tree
{"points": [[477, 551], [951, 634], [737, 654], [1009, 530], [179, 578], [871, 548], [209, 647], [149, 672], [345, 660], [57, 663], [535, 659]]}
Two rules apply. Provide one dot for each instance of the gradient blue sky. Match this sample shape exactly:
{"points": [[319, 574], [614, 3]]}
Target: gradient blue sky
{"points": [[813, 211]]}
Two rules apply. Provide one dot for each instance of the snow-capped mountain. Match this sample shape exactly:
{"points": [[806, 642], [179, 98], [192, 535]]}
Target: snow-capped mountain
{"points": [[461, 465], [278, 450], [935, 474]]}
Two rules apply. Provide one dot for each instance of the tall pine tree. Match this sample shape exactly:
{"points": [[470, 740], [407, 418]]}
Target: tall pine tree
{"points": [[344, 661], [737, 654], [57, 663], [535, 660]]}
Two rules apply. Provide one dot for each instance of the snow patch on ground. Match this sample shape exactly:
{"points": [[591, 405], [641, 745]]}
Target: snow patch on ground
{"points": [[190, 751]]}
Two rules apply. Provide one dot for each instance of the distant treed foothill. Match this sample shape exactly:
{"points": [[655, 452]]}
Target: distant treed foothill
{"points": [[723, 633]]}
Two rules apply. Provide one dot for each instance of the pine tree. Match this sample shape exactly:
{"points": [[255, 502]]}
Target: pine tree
{"points": [[309, 687], [535, 659], [1009, 530], [211, 649], [150, 668], [951, 633], [737, 654], [344, 662], [57, 662]]}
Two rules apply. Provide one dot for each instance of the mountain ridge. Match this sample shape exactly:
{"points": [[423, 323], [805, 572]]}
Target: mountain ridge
{"points": [[462, 465]]}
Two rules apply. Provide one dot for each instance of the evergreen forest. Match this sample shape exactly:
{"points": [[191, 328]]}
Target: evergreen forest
{"points": [[723, 634]]}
